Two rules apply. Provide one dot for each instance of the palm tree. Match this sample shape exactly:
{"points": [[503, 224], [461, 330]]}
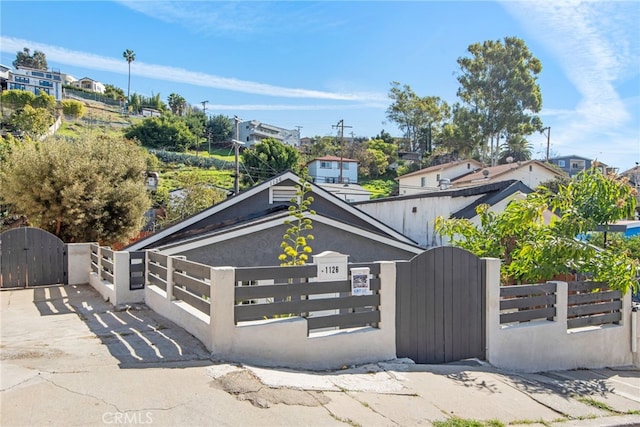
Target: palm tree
{"points": [[516, 147], [129, 56]]}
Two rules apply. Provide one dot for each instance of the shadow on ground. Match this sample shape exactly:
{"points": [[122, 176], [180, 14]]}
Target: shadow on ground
{"points": [[135, 335]]}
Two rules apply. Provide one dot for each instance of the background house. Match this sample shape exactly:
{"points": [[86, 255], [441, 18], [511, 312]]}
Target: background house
{"points": [[36, 81], [246, 229], [573, 164], [89, 84], [348, 192], [252, 132], [333, 170], [431, 178], [414, 215], [531, 173]]}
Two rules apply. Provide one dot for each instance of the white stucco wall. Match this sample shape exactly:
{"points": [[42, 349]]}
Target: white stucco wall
{"points": [[78, 263], [119, 291], [547, 345], [284, 342], [419, 225], [412, 184]]}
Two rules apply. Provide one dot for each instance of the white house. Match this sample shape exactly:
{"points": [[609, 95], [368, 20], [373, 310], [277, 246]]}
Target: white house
{"points": [[347, 192], [36, 81], [531, 173], [252, 132], [435, 177], [89, 84], [333, 170], [414, 215]]}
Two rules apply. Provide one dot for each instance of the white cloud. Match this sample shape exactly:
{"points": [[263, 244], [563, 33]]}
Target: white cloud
{"points": [[597, 45], [166, 73]]}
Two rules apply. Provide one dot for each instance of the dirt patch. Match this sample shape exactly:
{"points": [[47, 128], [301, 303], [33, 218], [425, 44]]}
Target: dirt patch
{"points": [[246, 386], [7, 354]]}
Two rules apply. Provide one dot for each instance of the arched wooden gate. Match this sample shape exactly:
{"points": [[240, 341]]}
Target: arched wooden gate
{"points": [[441, 306], [31, 257]]}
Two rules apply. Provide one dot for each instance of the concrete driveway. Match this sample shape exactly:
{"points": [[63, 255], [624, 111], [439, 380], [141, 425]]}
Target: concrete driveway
{"points": [[68, 358]]}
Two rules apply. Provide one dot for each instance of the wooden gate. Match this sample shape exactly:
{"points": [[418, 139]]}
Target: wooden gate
{"points": [[440, 306], [31, 257]]}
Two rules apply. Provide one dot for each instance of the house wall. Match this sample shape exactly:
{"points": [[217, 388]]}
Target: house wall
{"points": [[419, 225], [413, 184], [530, 175], [252, 132], [35, 81], [332, 174], [264, 248]]}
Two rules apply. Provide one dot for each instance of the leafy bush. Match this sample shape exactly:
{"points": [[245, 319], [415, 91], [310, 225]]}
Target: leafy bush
{"points": [[72, 108]]}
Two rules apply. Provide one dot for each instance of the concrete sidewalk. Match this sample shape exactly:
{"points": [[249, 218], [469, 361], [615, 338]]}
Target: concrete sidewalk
{"points": [[69, 358]]}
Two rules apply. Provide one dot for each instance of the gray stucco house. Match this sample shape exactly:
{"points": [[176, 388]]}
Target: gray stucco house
{"points": [[247, 229]]}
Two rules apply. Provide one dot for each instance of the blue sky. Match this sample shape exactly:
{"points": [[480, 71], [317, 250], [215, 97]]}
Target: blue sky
{"points": [[312, 64]]}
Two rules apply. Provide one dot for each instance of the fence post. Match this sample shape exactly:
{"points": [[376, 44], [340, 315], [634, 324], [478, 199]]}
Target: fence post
{"points": [[492, 278], [169, 278], [562, 304], [221, 313]]}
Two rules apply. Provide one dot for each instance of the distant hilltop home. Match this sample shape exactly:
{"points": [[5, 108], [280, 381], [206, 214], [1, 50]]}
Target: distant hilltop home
{"points": [[89, 84], [35, 81], [252, 132], [531, 173], [333, 170], [573, 164], [436, 177]]}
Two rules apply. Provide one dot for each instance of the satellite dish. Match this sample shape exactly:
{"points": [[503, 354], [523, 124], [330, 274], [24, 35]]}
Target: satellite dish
{"points": [[485, 172], [509, 159]]}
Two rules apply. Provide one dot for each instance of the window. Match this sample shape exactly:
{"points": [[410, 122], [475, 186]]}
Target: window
{"points": [[423, 181], [438, 178], [561, 163], [21, 79], [325, 165], [345, 166]]}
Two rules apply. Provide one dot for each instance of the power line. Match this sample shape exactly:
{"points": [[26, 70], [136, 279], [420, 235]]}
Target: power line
{"points": [[341, 126]]}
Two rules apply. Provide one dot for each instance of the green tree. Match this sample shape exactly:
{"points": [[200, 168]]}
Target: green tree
{"points": [[89, 189], [196, 196], [37, 61], [517, 147], [219, 128], [113, 92], [532, 249], [129, 56], [177, 104], [167, 132], [295, 241], [34, 122], [418, 117], [498, 84], [268, 158], [17, 99], [72, 108], [462, 137]]}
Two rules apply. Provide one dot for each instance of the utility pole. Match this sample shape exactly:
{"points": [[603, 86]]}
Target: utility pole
{"points": [[236, 145], [548, 129], [204, 109], [341, 126]]}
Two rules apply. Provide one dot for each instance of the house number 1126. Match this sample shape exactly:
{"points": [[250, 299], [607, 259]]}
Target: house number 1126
{"points": [[331, 269]]}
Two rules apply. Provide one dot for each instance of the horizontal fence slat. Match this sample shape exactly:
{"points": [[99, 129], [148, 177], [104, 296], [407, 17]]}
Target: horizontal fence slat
{"points": [[194, 286], [105, 275], [525, 302], [158, 269], [94, 267], [582, 310], [94, 257], [106, 252], [603, 319], [192, 268], [260, 311], [586, 286], [157, 257], [107, 264], [594, 297], [523, 290], [194, 301], [523, 316], [244, 274], [347, 320], [155, 280], [290, 289]]}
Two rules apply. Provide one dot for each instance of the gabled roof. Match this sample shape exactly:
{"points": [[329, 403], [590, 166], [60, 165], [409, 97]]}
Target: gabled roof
{"points": [[203, 222], [477, 190], [492, 197], [441, 167], [571, 156], [333, 159], [275, 220], [494, 172]]}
